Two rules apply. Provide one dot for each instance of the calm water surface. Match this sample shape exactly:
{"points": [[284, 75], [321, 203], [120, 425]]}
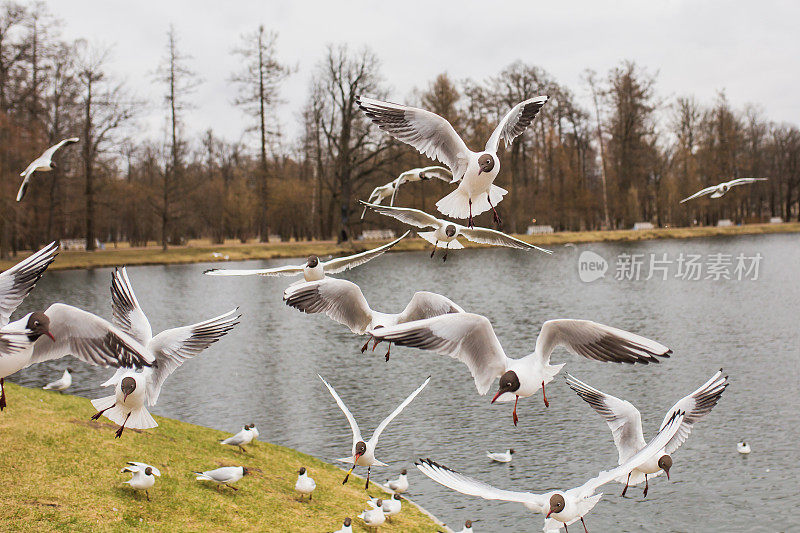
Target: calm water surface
{"points": [[265, 372]]}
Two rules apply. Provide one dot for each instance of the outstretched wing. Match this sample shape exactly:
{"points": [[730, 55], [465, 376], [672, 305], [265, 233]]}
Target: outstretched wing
{"points": [[743, 181], [287, 270], [174, 346], [440, 173], [596, 341], [127, 313], [413, 217], [340, 264], [134, 467], [467, 337], [703, 192], [621, 416], [385, 422], [429, 133], [426, 304], [695, 406], [467, 485], [345, 410], [498, 238], [340, 299], [48, 154], [515, 122], [18, 281]]}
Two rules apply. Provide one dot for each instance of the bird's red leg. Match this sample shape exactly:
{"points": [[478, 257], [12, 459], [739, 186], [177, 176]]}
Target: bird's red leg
{"points": [[388, 350], [626, 485], [494, 212], [99, 413], [645, 485], [584, 526], [514, 414], [546, 403], [2, 395], [366, 345], [369, 469], [434, 249], [469, 223], [566, 528], [376, 343], [122, 427]]}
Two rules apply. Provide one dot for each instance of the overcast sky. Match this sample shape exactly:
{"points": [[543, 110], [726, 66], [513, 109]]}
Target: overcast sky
{"points": [[751, 50]]}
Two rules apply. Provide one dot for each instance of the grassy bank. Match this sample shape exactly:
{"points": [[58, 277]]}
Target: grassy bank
{"points": [[59, 471], [201, 251]]}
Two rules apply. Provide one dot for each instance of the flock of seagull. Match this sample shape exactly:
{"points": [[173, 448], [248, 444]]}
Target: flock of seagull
{"points": [[430, 322]]}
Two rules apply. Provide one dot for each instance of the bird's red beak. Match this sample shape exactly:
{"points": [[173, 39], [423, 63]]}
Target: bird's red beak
{"points": [[496, 396], [125, 398], [548, 514], [356, 456], [667, 473], [480, 170], [50, 335]]}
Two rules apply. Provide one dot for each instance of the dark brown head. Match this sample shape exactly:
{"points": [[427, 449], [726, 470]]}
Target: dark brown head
{"points": [[485, 163], [361, 449], [397, 497], [557, 504], [70, 370], [250, 426], [511, 451], [468, 524], [302, 471], [53, 164], [245, 471], [312, 261], [38, 325], [127, 386], [450, 230], [403, 472], [148, 471], [665, 463], [347, 522], [509, 382], [379, 503]]}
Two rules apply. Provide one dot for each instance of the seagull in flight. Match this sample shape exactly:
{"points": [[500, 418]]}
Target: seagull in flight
{"points": [[470, 338], [364, 452], [625, 422], [43, 163], [389, 190], [448, 232], [143, 476], [717, 191], [560, 508], [313, 269], [435, 137], [344, 303]]}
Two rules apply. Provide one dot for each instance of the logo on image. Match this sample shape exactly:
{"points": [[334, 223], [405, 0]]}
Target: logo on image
{"points": [[591, 266]]}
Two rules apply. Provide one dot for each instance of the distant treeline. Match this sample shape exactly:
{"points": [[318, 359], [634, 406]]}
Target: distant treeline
{"points": [[115, 185]]}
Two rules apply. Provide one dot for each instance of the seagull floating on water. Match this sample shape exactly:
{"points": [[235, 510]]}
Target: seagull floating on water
{"points": [[245, 436], [722, 188], [561, 508], [305, 485], [743, 448], [448, 232], [399, 485], [470, 338], [364, 452], [313, 269], [344, 303], [625, 422], [43, 163], [143, 476], [434, 136], [62, 383], [389, 190], [170, 349], [501, 457], [223, 476], [467, 528]]}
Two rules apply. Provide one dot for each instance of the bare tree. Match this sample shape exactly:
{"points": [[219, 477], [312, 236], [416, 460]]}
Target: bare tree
{"points": [[590, 77]]}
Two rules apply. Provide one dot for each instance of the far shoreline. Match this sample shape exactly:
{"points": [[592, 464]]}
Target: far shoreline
{"points": [[201, 251]]}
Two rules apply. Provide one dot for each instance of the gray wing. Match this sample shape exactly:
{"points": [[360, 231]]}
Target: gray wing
{"points": [[464, 336], [703, 192], [127, 313], [141, 466], [515, 122], [440, 173], [622, 417], [340, 299], [695, 406], [429, 133], [426, 304], [743, 181], [18, 281], [412, 217], [498, 238], [287, 270], [48, 154], [340, 264], [472, 487], [597, 341], [12, 343], [89, 338], [174, 346], [350, 418], [23, 187]]}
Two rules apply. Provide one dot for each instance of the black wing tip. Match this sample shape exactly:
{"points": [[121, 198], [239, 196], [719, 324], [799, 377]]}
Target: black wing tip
{"points": [[210, 270]]}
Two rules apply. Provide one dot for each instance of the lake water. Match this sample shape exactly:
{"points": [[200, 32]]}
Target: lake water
{"points": [[265, 372]]}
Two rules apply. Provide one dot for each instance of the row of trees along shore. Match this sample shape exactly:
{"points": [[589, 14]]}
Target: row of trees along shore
{"points": [[629, 155]]}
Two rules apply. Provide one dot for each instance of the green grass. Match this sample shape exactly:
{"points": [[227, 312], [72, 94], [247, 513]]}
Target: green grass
{"points": [[200, 251], [61, 472]]}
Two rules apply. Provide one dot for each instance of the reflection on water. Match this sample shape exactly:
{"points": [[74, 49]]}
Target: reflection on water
{"points": [[265, 372]]}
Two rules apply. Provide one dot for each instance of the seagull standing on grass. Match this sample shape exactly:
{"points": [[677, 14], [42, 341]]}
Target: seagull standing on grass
{"points": [[58, 331], [375, 517], [399, 485], [305, 484], [467, 528], [379, 194], [170, 349], [344, 303], [435, 137], [62, 383], [223, 476], [143, 476], [561, 508], [43, 163], [391, 506], [625, 422], [245, 436], [501, 457], [347, 526], [313, 269], [445, 234], [722, 188], [470, 338], [364, 452]]}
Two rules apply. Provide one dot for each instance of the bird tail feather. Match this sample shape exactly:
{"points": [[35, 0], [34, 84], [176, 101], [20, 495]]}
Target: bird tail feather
{"points": [[455, 204], [428, 236], [139, 418]]}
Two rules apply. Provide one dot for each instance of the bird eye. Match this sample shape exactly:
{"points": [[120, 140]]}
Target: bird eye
{"points": [[35, 323]]}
